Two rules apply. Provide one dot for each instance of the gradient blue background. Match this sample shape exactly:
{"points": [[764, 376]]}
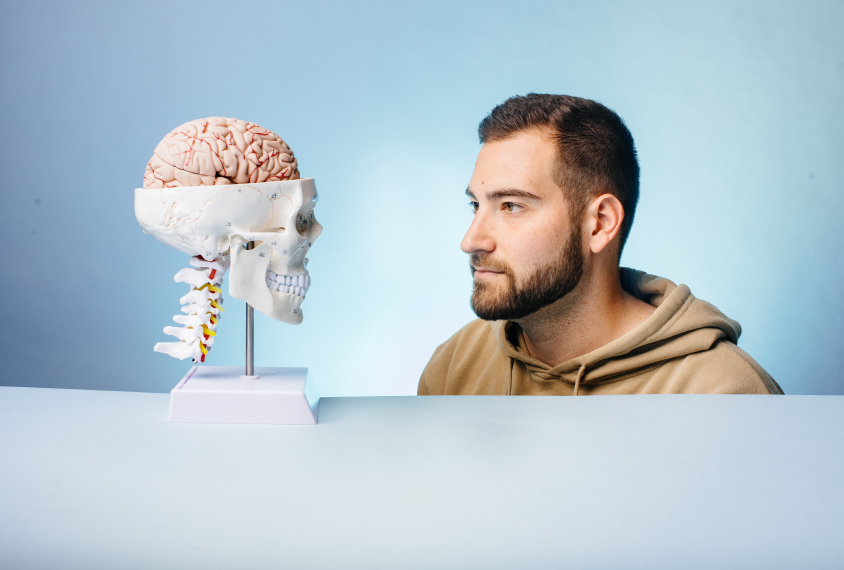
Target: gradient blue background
{"points": [[736, 108]]}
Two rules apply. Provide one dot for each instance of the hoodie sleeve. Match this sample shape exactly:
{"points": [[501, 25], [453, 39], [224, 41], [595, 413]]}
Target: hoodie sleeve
{"points": [[432, 381], [422, 389], [469, 363]]}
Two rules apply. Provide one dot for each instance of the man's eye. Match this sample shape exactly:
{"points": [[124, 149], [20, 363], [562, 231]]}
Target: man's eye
{"points": [[474, 206], [511, 207]]}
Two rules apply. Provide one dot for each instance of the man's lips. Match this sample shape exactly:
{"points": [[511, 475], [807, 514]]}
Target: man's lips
{"points": [[485, 272]]}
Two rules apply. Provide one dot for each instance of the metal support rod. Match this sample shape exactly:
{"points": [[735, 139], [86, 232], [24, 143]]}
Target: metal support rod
{"points": [[250, 332]]}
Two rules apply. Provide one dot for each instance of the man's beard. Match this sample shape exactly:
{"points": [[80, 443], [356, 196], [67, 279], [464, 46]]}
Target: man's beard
{"points": [[518, 298]]}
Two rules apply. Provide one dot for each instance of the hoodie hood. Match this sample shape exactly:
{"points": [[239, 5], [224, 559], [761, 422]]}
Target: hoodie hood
{"points": [[680, 325]]}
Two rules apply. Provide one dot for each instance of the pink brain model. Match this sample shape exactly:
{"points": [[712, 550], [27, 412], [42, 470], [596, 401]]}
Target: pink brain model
{"points": [[217, 150]]}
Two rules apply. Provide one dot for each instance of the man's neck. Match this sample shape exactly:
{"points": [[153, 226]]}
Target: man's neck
{"points": [[595, 313]]}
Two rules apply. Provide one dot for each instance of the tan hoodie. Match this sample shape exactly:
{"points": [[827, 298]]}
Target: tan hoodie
{"points": [[686, 346]]}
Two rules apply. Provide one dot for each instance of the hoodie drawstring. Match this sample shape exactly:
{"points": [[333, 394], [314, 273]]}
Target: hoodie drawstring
{"points": [[577, 379], [510, 387], [580, 373]]}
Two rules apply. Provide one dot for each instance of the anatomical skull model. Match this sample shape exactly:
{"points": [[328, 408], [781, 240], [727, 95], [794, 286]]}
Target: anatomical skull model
{"points": [[212, 186]]}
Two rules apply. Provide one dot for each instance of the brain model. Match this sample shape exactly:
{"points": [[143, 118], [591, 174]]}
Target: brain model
{"points": [[218, 150]]}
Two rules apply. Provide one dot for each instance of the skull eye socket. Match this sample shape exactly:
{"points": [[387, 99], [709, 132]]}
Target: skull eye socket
{"points": [[302, 224]]}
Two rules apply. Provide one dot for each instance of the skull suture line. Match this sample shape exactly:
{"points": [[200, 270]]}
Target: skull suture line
{"points": [[214, 224]]}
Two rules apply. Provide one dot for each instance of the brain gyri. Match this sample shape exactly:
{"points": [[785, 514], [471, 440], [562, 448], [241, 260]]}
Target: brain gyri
{"points": [[218, 150]]}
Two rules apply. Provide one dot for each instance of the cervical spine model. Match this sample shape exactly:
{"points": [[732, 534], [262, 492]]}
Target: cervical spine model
{"points": [[203, 306], [212, 186]]}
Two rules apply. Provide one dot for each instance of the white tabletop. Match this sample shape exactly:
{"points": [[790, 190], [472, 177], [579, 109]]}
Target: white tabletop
{"points": [[101, 480]]}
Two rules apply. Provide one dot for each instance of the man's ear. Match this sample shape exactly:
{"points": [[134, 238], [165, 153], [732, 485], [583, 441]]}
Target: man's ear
{"points": [[603, 221]]}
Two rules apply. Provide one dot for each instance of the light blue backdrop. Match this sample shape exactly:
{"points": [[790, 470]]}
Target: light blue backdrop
{"points": [[736, 108]]}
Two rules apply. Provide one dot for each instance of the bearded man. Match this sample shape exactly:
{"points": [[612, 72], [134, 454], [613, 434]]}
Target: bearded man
{"points": [[554, 192]]}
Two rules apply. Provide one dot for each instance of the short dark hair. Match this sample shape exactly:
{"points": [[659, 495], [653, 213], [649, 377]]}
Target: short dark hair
{"points": [[595, 150]]}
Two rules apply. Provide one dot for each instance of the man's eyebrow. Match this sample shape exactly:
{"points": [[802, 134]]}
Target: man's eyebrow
{"points": [[506, 193]]}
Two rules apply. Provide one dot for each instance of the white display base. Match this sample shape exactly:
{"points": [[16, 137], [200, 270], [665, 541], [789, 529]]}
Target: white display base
{"points": [[222, 395]]}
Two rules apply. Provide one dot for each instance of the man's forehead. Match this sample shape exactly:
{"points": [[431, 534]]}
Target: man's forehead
{"points": [[518, 166]]}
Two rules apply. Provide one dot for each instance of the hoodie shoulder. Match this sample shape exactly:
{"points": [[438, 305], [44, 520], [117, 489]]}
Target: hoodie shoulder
{"points": [[750, 377], [467, 363], [723, 369]]}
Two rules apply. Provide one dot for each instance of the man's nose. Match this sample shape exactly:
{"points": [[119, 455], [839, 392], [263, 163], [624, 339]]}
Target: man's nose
{"points": [[478, 238]]}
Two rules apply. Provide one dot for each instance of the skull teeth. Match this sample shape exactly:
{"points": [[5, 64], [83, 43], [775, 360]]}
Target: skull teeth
{"points": [[293, 284]]}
